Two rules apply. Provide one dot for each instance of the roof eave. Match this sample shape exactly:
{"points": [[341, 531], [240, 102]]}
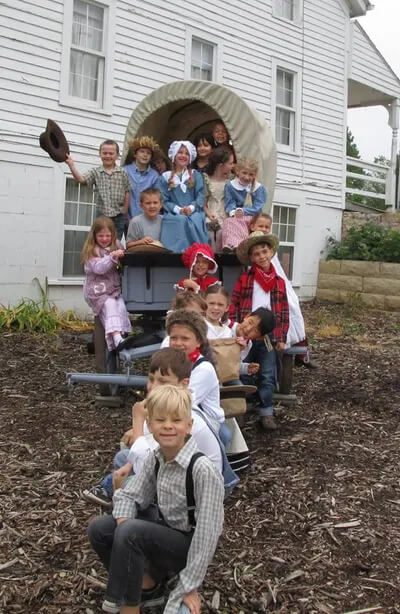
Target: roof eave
{"points": [[359, 7]]}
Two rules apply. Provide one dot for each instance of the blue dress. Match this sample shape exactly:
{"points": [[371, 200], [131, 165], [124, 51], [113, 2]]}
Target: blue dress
{"points": [[239, 197], [139, 180], [179, 231]]}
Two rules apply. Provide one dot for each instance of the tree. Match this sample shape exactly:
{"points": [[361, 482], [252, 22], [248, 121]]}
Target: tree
{"points": [[351, 182]]}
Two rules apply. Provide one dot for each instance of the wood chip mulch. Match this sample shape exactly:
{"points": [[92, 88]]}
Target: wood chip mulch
{"points": [[314, 526]]}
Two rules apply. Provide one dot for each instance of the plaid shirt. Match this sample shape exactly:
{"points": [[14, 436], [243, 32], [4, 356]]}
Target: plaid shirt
{"points": [[242, 303], [140, 490], [110, 189]]}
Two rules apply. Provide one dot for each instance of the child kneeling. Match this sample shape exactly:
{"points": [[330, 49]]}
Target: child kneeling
{"points": [[141, 554]]}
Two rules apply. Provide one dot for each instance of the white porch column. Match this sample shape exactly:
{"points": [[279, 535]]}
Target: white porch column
{"points": [[394, 117]]}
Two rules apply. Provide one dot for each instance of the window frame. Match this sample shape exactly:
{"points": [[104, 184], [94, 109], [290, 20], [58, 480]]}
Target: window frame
{"points": [[295, 135], [105, 108], [293, 244], [297, 12], [203, 37]]}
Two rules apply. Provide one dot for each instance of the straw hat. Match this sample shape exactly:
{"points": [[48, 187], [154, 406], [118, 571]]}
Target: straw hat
{"points": [[255, 238], [143, 142]]}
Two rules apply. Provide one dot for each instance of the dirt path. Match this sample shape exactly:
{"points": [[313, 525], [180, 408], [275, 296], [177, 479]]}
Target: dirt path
{"points": [[313, 527]]}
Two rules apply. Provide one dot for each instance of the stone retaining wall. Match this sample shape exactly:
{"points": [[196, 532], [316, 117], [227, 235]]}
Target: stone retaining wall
{"points": [[354, 219], [377, 284]]}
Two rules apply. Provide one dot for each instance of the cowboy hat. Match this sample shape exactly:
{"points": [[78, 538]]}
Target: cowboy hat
{"points": [[54, 142], [155, 246], [255, 238]]}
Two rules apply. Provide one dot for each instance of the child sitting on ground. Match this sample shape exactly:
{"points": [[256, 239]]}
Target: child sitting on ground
{"points": [[140, 173], [100, 256], [244, 197], [260, 286], [141, 554], [145, 229], [110, 182], [200, 260], [167, 366]]}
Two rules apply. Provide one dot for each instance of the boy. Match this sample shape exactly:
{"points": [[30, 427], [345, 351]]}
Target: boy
{"points": [[140, 173], [141, 554], [110, 182], [167, 366], [145, 229], [261, 287]]}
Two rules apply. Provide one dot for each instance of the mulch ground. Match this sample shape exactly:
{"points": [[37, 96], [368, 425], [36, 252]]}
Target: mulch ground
{"points": [[313, 527]]}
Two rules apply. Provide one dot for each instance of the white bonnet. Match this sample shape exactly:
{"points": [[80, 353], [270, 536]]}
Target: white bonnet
{"points": [[175, 147]]}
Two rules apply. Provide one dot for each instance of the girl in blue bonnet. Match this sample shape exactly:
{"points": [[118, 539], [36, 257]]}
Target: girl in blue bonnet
{"points": [[182, 191]]}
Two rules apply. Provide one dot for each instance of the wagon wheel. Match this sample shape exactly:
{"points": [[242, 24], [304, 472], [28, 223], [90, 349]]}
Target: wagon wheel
{"points": [[106, 362]]}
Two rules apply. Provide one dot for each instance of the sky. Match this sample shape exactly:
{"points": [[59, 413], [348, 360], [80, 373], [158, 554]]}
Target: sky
{"points": [[369, 125]]}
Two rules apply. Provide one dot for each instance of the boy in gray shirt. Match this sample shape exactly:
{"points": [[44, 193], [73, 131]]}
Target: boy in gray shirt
{"points": [[145, 229]]}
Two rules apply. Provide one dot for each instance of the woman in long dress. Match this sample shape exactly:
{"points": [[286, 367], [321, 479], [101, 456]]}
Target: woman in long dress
{"points": [[219, 170]]}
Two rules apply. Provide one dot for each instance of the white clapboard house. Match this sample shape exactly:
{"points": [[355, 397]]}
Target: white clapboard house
{"points": [[88, 63]]}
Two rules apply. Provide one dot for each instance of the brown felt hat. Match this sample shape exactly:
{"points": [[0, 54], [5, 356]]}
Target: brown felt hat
{"points": [[154, 247], [255, 238], [54, 142]]}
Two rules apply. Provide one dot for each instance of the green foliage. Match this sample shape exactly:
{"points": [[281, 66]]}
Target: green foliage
{"points": [[369, 242], [38, 316]]}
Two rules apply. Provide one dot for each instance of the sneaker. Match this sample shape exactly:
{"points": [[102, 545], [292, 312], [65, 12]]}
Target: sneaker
{"points": [[99, 495], [110, 606], [268, 423], [153, 597]]}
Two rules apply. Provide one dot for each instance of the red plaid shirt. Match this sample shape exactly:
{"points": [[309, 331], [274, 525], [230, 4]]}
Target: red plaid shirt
{"points": [[242, 302]]}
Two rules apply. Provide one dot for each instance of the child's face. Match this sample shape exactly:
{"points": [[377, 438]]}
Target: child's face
{"points": [[250, 328], [161, 165], [108, 155], [200, 268], [220, 133], [104, 238], [246, 176], [183, 338], [204, 149], [261, 255], [151, 206], [263, 224], [170, 431], [143, 155], [157, 379], [217, 306], [182, 158]]}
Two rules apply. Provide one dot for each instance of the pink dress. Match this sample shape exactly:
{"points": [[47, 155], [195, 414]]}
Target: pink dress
{"points": [[102, 292]]}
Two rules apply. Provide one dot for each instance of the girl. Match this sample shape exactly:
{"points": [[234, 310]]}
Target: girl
{"points": [[200, 260], [219, 169], [296, 334], [188, 331], [220, 134], [182, 191], [161, 162], [100, 256], [204, 144], [217, 299], [244, 198]]}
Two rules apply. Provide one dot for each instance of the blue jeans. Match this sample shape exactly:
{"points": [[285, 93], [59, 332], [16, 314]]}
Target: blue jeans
{"points": [[134, 547], [265, 380], [120, 459]]}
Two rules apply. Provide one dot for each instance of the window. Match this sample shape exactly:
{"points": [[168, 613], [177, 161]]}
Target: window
{"points": [[284, 226], [87, 54], [285, 111], [202, 60], [287, 9], [79, 213]]}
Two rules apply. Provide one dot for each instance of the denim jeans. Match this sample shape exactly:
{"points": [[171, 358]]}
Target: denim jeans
{"points": [[265, 380], [120, 459], [134, 547]]}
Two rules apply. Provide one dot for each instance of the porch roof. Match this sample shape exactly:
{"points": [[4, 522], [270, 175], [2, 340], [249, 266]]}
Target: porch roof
{"points": [[372, 81]]}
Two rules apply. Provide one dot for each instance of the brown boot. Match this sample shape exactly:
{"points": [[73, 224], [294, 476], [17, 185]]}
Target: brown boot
{"points": [[268, 423]]}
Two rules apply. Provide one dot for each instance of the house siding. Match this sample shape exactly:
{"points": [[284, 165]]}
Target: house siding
{"points": [[149, 51]]}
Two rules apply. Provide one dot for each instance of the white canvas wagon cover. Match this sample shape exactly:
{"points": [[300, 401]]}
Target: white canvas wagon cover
{"points": [[182, 109]]}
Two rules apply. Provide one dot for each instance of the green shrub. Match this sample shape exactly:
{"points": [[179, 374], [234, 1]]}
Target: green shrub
{"points": [[369, 242]]}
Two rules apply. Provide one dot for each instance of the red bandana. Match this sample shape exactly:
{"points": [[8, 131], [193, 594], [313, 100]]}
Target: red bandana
{"points": [[193, 356], [266, 279]]}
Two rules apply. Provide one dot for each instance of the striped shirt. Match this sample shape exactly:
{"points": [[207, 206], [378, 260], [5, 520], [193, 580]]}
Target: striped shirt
{"points": [[110, 188], [140, 490]]}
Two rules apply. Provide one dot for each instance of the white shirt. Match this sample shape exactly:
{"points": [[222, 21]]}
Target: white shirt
{"points": [[260, 297], [218, 331], [204, 386]]}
